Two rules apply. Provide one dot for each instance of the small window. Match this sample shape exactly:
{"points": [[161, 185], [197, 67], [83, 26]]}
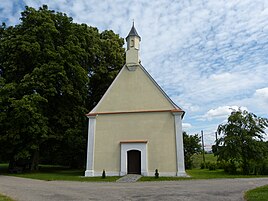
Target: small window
{"points": [[132, 43]]}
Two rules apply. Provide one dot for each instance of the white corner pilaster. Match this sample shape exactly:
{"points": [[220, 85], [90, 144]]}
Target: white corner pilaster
{"points": [[90, 146], [179, 144]]}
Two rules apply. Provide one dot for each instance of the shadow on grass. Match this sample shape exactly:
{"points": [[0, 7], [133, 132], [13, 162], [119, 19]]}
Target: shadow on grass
{"points": [[52, 173]]}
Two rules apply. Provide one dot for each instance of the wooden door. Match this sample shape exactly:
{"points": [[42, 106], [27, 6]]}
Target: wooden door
{"points": [[134, 162]]}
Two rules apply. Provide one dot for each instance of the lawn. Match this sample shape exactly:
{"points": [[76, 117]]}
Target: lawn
{"points": [[50, 173], [197, 173], [257, 194], [5, 198], [198, 159], [201, 174]]}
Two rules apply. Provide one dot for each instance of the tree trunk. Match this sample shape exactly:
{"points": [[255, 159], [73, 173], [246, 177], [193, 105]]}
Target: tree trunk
{"points": [[35, 160], [245, 166], [11, 164]]}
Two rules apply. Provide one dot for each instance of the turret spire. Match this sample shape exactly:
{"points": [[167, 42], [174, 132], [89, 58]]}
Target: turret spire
{"points": [[133, 45], [133, 32]]}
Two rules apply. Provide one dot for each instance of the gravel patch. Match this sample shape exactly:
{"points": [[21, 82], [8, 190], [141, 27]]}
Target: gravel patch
{"points": [[22, 189]]}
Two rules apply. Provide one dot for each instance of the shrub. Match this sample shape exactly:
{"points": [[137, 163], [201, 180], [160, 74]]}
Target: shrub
{"points": [[156, 174], [260, 168], [212, 166], [188, 163], [103, 174], [203, 165], [230, 167], [220, 165], [208, 165], [264, 170]]}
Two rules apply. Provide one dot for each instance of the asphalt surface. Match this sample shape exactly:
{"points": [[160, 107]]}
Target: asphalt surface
{"points": [[185, 190]]}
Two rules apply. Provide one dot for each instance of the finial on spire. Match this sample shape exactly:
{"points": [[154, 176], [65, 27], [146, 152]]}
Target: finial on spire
{"points": [[133, 31]]}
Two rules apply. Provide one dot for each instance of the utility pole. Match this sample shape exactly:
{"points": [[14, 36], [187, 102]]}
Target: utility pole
{"points": [[203, 146], [216, 143]]}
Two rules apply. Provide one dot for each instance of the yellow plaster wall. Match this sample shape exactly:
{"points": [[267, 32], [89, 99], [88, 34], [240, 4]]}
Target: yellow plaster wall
{"points": [[157, 128], [132, 90], [132, 57]]}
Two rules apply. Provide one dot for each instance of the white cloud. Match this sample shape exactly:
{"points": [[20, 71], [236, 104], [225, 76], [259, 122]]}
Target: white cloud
{"points": [[204, 54], [186, 125], [260, 101], [262, 94], [257, 102], [221, 112], [7, 13]]}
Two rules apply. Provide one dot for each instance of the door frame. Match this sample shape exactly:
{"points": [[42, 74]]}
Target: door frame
{"points": [[139, 145]]}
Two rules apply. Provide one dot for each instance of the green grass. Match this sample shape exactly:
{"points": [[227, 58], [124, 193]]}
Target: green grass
{"points": [[201, 174], [51, 173], [64, 175], [5, 198], [198, 159], [217, 174], [3, 168], [257, 194]]}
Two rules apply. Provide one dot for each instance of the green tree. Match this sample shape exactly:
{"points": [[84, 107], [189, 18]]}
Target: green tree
{"points": [[241, 140], [192, 146], [52, 72]]}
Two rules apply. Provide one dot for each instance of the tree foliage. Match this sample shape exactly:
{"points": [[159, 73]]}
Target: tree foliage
{"points": [[52, 72], [192, 146], [241, 140]]}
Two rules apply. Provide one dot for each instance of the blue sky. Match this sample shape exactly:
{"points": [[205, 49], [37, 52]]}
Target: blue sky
{"points": [[208, 56]]}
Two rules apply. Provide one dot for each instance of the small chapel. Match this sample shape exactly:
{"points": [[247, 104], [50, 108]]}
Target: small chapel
{"points": [[135, 128]]}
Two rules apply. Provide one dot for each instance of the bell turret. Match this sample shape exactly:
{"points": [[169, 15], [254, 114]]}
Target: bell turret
{"points": [[133, 45]]}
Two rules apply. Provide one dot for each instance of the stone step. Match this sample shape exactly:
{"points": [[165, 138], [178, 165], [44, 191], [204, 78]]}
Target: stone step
{"points": [[129, 178]]}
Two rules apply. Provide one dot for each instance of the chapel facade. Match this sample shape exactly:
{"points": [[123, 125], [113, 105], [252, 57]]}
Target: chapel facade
{"points": [[135, 128]]}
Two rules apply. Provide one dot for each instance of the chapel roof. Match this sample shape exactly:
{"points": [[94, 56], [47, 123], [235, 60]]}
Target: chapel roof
{"points": [[149, 99], [133, 32]]}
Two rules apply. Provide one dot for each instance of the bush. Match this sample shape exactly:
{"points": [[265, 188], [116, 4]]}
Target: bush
{"points": [[103, 174], [212, 166], [264, 170], [208, 165], [203, 165], [260, 168], [156, 174], [220, 165], [230, 167], [188, 163]]}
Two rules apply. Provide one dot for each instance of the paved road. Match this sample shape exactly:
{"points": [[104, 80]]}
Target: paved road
{"points": [[186, 190]]}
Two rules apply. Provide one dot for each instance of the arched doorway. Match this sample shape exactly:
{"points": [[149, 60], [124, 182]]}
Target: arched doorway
{"points": [[134, 162], [131, 145]]}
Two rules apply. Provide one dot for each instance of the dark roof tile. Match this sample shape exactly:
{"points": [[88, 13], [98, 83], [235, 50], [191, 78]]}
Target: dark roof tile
{"points": [[133, 32]]}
